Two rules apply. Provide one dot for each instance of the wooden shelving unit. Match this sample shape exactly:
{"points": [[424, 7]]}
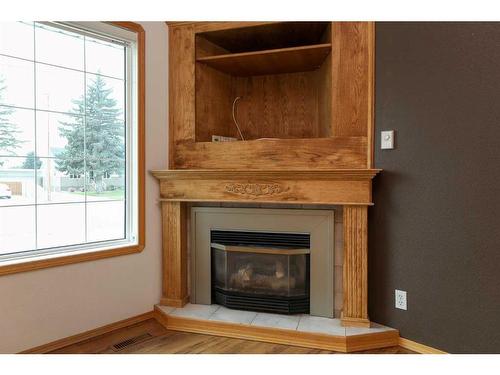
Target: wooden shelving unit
{"points": [[281, 72], [303, 94], [275, 61]]}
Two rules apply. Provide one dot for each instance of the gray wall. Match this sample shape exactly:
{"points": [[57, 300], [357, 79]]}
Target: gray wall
{"points": [[434, 229]]}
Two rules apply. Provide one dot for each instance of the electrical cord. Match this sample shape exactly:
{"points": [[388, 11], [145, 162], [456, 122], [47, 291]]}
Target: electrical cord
{"points": [[234, 117]]}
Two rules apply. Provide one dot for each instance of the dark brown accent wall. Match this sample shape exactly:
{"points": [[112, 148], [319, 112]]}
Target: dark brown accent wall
{"points": [[435, 227]]}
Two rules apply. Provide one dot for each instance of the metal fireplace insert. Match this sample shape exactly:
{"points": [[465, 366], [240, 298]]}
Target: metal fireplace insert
{"points": [[259, 271]]}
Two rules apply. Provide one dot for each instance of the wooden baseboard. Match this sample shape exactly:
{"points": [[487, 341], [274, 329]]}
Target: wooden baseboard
{"points": [[419, 348], [370, 341], [345, 344], [174, 302], [58, 344]]}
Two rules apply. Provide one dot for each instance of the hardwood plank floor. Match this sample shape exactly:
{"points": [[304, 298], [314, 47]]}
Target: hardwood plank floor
{"points": [[163, 341]]}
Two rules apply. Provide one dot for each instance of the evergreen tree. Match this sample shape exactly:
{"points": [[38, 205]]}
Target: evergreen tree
{"points": [[31, 161], [8, 131], [95, 147]]}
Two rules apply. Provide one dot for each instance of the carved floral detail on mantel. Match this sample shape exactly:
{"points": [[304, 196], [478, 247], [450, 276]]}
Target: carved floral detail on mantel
{"points": [[254, 189]]}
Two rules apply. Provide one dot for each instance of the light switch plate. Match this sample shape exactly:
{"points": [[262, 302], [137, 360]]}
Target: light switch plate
{"points": [[387, 140], [400, 299]]}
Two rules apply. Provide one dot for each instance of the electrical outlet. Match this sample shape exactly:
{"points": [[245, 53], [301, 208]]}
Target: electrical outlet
{"points": [[400, 299], [221, 138]]}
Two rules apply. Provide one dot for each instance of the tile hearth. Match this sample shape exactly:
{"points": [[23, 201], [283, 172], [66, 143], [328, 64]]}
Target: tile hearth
{"points": [[299, 322]]}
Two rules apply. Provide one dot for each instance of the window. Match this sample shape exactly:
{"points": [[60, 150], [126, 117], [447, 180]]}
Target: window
{"points": [[70, 139]]}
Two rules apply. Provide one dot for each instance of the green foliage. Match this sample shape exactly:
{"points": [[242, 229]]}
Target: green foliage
{"points": [[95, 144], [8, 131], [31, 161]]}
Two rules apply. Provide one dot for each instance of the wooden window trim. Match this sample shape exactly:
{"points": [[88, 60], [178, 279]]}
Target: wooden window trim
{"points": [[54, 260]]}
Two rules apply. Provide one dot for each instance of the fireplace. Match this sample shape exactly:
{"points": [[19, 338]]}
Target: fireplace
{"points": [[277, 260], [261, 271]]}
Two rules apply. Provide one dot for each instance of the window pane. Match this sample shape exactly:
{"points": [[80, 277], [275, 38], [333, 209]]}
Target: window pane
{"points": [[63, 140], [17, 229], [53, 130], [58, 47], [59, 89], [17, 84], [17, 181], [105, 97], [104, 58], [60, 224], [60, 180], [105, 221], [17, 131], [16, 39]]}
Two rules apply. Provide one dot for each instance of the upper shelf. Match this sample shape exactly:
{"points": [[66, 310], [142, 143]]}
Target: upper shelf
{"points": [[274, 61], [269, 36]]}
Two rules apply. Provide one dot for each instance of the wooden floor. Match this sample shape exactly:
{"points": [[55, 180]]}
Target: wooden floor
{"points": [[158, 340]]}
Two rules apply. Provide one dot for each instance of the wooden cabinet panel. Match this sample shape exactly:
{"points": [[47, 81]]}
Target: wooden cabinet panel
{"points": [[320, 153], [355, 306], [352, 74], [175, 287], [181, 86]]}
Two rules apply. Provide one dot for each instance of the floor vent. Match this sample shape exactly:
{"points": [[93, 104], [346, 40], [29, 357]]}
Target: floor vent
{"points": [[134, 340]]}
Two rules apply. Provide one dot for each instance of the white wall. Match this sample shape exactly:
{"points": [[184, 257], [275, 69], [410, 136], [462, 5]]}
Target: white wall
{"points": [[46, 305]]}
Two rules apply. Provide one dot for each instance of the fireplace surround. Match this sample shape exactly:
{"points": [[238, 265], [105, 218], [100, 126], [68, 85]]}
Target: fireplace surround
{"points": [[293, 231], [349, 188]]}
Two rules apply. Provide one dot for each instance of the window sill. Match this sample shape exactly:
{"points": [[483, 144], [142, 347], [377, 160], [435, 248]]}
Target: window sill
{"points": [[54, 260]]}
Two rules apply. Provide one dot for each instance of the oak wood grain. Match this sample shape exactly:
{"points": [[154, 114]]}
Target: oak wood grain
{"points": [[323, 77], [284, 174], [352, 98], [275, 61], [279, 106], [181, 86], [213, 104], [418, 347], [175, 288], [268, 191], [291, 154], [355, 278], [350, 187]]}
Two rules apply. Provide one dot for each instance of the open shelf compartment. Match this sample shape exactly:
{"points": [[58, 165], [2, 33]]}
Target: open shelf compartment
{"points": [[280, 71]]}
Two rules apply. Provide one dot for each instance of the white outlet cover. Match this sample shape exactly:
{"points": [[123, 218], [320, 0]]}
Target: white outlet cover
{"points": [[387, 140], [400, 299]]}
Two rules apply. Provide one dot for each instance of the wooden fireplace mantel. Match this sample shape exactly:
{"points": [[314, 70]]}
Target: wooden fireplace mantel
{"points": [[331, 186], [350, 188]]}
